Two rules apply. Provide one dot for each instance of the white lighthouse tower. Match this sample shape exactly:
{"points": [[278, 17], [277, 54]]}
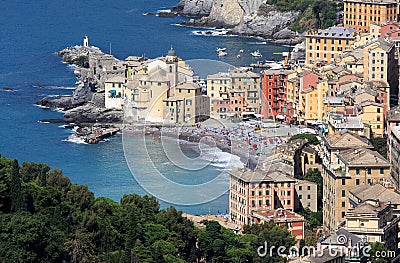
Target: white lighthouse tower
{"points": [[85, 41]]}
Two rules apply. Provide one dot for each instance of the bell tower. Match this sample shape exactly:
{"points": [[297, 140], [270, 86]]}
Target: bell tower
{"points": [[172, 70]]}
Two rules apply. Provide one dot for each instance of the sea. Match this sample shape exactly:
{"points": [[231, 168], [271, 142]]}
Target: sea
{"points": [[32, 31]]}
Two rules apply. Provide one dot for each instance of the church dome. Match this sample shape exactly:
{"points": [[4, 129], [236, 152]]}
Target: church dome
{"points": [[171, 52]]}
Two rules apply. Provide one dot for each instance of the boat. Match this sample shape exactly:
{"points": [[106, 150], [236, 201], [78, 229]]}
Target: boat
{"points": [[221, 53], [256, 54], [218, 49], [241, 51], [238, 55]]}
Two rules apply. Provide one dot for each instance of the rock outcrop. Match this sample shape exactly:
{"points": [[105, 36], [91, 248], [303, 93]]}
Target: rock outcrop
{"points": [[89, 113], [195, 8], [86, 105], [249, 18]]}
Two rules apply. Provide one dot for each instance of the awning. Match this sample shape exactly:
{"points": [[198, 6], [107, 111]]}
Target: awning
{"points": [[113, 91], [281, 117]]}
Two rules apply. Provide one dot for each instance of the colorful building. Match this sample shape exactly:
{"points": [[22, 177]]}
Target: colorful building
{"points": [[274, 95], [323, 46], [359, 14]]}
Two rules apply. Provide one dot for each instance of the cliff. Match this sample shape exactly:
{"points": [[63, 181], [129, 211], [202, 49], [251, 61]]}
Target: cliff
{"points": [[246, 17], [195, 8]]}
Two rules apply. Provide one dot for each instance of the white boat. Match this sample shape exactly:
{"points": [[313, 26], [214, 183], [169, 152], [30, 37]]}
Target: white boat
{"points": [[238, 55], [218, 49], [221, 53], [256, 54], [241, 51]]}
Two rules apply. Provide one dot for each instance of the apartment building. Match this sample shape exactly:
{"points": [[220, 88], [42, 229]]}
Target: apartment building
{"points": [[306, 195], [394, 154], [323, 46], [359, 14], [274, 95], [234, 92], [354, 167], [253, 191], [374, 220]]}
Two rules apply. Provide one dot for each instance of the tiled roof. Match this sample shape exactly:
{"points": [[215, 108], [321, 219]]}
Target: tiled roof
{"points": [[346, 140], [362, 157], [377, 192]]}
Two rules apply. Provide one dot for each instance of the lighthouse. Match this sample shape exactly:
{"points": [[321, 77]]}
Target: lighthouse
{"points": [[85, 41]]}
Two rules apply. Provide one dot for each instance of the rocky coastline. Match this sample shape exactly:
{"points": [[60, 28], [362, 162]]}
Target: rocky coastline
{"points": [[240, 17], [85, 106]]}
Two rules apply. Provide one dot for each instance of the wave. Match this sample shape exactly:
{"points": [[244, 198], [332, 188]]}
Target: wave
{"points": [[74, 139], [164, 11], [212, 32], [40, 106], [54, 87], [217, 158]]}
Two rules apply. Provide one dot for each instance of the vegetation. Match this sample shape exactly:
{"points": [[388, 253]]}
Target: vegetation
{"points": [[46, 218], [314, 175], [312, 138], [314, 14], [380, 254], [82, 61], [380, 145]]}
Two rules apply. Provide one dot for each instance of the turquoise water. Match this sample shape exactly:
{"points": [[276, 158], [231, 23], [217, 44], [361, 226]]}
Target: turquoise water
{"points": [[31, 31]]}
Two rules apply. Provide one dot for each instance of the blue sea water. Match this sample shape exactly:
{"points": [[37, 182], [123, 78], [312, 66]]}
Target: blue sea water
{"points": [[30, 33]]}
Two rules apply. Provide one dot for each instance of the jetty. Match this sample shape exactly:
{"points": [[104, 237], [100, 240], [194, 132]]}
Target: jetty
{"points": [[95, 135]]}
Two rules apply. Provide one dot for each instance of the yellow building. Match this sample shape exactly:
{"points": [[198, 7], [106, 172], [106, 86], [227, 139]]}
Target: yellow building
{"points": [[374, 220], [311, 101], [354, 167], [239, 83], [380, 64], [359, 14], [372, 113], [188, 105], [323, 46]]}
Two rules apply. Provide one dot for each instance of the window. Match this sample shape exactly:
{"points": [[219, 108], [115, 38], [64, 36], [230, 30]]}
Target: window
{"points": [[343, 193], [266, 192], [343, 181], [259, 192], [300, 196], [259, 202], [288, 193], [288, 202], [369, 171], [357, 171], [267, 202], [308, 187], [343, 214], [343, 204], [300, 188], [308, 196], [252, 193], [381, 171], [288, 184], [357, 181]]}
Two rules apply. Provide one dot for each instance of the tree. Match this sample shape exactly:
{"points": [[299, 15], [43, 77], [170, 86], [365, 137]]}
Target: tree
{"points": [[380, 145], [379, 253], [312, 138], [314, 175], [15, 188]]}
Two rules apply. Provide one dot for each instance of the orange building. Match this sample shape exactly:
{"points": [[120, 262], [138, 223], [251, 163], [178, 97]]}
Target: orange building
{"points": [[359, 14], [284, 218], [251, 191]]}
